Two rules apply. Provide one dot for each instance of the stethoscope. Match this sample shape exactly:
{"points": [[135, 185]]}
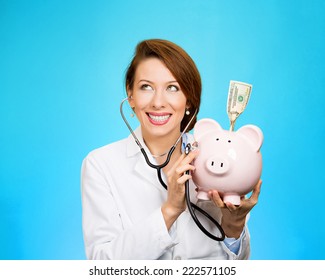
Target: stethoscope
{"points": [[191, 206]]}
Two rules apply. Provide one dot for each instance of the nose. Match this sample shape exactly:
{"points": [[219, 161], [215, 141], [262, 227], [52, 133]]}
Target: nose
{"points": [[158, 99], [217, 165]]}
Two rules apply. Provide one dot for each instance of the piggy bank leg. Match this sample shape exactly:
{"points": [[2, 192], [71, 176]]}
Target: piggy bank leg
{"points": [[203, 195], [232, 198]]}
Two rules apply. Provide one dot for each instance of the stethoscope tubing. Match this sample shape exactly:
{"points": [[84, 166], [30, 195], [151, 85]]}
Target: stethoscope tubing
{"points": [[191, 206]]}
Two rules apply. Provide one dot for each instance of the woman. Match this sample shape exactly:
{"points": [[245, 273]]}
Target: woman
{"points": [[127, 214]]}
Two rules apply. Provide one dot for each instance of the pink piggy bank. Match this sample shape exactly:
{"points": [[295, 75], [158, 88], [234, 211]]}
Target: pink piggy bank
{"points": [[228, 161]]}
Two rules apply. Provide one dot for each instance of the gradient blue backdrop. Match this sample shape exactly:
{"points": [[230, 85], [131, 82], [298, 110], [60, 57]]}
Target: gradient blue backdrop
{"points": [[62, 65]]}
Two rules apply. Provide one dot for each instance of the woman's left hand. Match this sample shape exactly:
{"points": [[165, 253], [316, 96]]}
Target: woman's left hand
{"points": [[234, 217]]}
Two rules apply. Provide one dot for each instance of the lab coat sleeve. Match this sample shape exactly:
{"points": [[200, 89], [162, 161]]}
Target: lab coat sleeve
{"points": [[244, 247], [105, 235]]}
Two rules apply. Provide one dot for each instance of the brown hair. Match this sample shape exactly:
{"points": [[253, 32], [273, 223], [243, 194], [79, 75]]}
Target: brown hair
{"points": [[179, 63]]}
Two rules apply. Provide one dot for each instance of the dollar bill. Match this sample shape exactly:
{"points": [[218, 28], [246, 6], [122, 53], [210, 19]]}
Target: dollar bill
{"points": [[238, 96]]}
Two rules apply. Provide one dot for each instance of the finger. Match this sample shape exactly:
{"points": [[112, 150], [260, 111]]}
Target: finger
{"points": [[190, 157], [214, 195], [183, 168], [183, 179], [184, 160], [231, 207], [177, 163]]}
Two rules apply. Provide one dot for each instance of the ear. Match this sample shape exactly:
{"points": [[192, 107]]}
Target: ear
{"points": [[205, 126], [253, 134], [131, 101]]}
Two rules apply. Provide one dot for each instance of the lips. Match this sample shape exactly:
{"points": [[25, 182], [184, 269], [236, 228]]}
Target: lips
{"points": [[158, 119]]}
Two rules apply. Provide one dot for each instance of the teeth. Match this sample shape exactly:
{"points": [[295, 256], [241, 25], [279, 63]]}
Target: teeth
{"points": [[159, 118]]}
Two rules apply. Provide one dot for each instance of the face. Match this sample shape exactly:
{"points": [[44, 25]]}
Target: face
{"points": [[157, 99]]}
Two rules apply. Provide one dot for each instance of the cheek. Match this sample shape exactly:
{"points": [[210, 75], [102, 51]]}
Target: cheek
{"points": [[179, 106], [139, 103], [140, 106], [140, 109]]}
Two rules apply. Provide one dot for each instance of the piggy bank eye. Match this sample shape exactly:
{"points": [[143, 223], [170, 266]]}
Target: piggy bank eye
{"points": [[229, 141], [217, 139]]}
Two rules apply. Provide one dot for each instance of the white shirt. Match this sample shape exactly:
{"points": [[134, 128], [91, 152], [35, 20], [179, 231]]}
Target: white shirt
{"points": [[122, 218]]}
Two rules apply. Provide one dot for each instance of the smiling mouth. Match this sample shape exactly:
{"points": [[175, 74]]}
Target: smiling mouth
{"points": [[158, 119]]}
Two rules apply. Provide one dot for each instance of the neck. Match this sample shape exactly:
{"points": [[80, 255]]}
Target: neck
{"points": [[161, 145]]}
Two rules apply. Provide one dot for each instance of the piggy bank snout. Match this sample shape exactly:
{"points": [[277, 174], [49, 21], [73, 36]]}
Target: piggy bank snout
{"points": [[217, 165]]}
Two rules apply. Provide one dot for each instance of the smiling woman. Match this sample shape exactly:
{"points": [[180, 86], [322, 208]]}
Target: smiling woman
{"points": [[127, 214], [179, 67], [159, 104]]}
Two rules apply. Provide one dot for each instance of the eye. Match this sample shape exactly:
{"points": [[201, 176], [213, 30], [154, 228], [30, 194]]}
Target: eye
{"points": [[229, 141], [146, 87], [217, 139], [172, 88]]}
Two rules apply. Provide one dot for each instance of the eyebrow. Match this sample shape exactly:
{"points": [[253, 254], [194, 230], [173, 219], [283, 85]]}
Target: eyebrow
{"points": [[169, 82], [144, 81]]}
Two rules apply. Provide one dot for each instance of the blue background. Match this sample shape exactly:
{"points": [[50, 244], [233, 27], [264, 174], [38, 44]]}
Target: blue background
{"points": [[62, 65]]}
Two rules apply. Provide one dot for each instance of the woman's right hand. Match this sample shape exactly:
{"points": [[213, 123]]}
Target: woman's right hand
{"points": [[176, 178]]}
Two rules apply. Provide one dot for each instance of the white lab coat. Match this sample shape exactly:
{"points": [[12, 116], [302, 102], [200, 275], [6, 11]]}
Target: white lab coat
{"points": [[122, 218]]}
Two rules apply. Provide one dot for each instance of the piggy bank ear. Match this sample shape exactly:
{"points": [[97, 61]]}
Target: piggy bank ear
{"points": [[205, 126], [253, 134]]}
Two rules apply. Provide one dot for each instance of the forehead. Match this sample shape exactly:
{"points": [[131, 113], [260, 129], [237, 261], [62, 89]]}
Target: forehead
{"points": [[153, 69]]}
